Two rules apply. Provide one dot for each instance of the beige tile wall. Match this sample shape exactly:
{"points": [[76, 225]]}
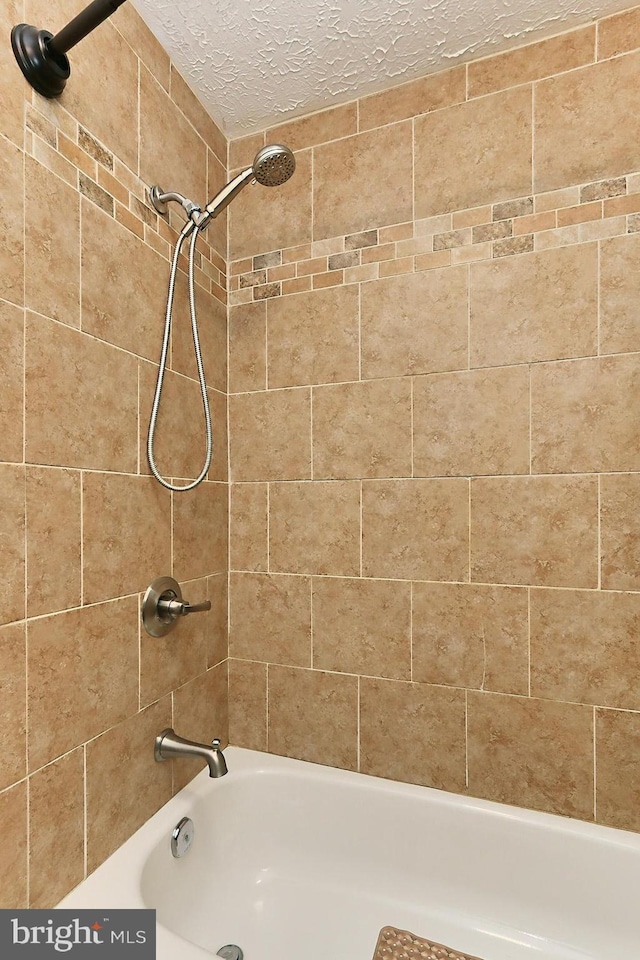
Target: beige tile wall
{"points": [[83, 526], [434, 409]]}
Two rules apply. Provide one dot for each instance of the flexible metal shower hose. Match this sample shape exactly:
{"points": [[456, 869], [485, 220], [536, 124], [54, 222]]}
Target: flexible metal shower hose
{"points": [[190, 228]]}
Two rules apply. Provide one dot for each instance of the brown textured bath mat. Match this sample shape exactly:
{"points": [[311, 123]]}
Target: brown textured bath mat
{"points": [[396, 944]]}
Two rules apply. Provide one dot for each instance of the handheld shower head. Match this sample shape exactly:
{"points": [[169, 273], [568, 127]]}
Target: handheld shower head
{"points": [[272, 166]]}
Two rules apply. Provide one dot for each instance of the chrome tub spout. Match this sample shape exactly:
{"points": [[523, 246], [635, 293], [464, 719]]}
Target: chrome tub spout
{"points": [[168, 744]]}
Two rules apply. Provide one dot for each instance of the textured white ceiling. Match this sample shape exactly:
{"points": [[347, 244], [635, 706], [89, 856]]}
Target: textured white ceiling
{"points": [[254, 63]]}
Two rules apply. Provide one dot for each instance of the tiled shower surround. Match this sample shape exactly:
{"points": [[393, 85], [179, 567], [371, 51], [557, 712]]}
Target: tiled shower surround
{"points": [[434, 412], [83, 527], [433, 385]]}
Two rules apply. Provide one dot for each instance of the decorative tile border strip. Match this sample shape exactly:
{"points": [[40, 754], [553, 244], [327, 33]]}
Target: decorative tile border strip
{"points": [[62, 145], [577, 214]]}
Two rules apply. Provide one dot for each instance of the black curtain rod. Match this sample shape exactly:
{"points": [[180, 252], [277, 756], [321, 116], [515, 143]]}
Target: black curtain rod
{"points": [[42, 57]]}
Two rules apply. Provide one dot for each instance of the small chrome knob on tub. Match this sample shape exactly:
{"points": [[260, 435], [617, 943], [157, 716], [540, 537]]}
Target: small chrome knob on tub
{"points": [[163, 605]]}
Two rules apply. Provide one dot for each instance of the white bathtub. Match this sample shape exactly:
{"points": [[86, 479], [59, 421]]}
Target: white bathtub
{"points": [[294, 861]]}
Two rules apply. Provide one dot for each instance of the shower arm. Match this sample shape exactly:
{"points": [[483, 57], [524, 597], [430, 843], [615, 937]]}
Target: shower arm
{"points": [[42, 57]]}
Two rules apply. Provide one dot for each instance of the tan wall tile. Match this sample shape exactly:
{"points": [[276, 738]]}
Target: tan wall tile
{"points": [[12, 378], [413, 732], [465, 635], [13, 880], [617, 769], [170, 661], [172, 155], [414, 98], [362, 430], [474, 422], [12, 542], [594, 132], [317, 128], [11, 81], [416, 323], [126, 534], [270, 435], [13, 704], [249, 541], [618, 34], [242, 151], [206, 507], [262, 219], [218, 231], [362, 627], [83, 676], [584, 415], [619, 291], [200, 713], [113, 118], [74, 417], [135, 31], [123, 285], [543, 59], [620, 532], [532, 753], [313, 716], [331, 544], [247, 347], [52, 280], [362, 181], [416, 529], [54, 570], [56, 830], [180, 438], [248, 704], [313, 337], [212, 332], [184, 97], [541, 306], [584, 647], [217, 629], [219, 469], [535, 530], [493, 164], [125, 786], [270, 619]]}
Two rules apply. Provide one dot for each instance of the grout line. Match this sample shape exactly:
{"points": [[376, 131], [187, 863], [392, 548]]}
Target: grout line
{"points": [[82, 598], [361, 529], [311, 438], [595, 764], [85, 812], [598, 288], [531, 420], [358, 726], [469, 516], [413, 436], [267, 707], [599, 531], [529, 641], [311, 621], [533, 139], [411, 631], [466, 739], [268, 528]]}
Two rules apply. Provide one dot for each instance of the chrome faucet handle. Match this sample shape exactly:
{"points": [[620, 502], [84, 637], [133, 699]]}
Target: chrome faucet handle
{"points": [[163, 605], [174, 608]]}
